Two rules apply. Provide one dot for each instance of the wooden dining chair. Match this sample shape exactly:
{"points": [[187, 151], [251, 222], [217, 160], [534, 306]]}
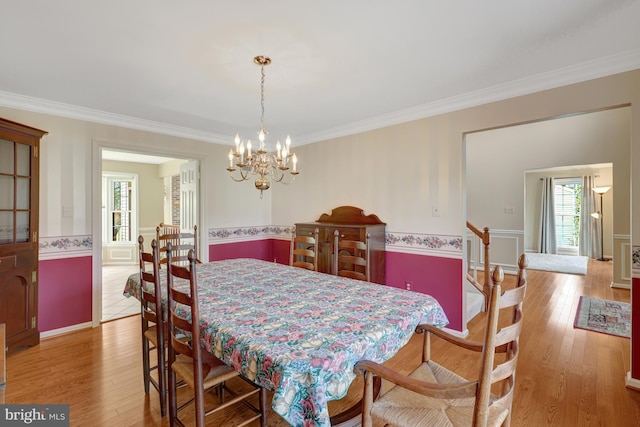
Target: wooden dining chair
{"points": [[303, 251], [190, 363], [351, 257], [434, 395], [181, 242], [153, 326]]}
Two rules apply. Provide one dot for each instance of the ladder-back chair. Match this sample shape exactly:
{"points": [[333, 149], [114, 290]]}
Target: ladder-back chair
{"points": [[351, 257], [153, 326], [181, 243], [434, 395], [190, 363], [303, 251]]}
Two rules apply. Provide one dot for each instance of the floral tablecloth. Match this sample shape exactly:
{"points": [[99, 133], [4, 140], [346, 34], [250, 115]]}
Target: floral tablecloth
{"points": [[299, 333]]}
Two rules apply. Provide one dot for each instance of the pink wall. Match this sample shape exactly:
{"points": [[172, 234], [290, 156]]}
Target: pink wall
{"points": [[65, 286], [258, 249], [635, 329], [436, 276], [267, 250], [64, 293]]}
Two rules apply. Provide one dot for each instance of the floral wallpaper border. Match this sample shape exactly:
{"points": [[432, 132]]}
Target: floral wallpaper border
{"points": [[424, 241], [216, 235], [51, 247], [407, 241]]}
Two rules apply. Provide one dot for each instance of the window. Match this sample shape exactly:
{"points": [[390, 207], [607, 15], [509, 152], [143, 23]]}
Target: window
{"points": [[119, 208], [567, 199]]}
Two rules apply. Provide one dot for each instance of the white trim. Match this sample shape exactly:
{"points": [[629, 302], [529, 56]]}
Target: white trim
{"points": [[614, 64], [632, 382], [64, 255], [620, 285], [39, 105], [442, 253], [622, 236], [501, 231], [626, 257], [601, 67], [67, 329], [459, 334]]}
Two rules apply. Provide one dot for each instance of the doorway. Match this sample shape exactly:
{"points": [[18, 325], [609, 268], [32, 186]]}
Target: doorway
{"points": [[138, 192], [498, 160]]}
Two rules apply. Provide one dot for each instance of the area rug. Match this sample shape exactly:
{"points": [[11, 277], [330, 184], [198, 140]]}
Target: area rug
{"points": [[605, 316], [558, 263]]}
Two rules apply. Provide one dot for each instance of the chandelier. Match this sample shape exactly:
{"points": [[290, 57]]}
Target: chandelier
{"points": [[260, 163]]}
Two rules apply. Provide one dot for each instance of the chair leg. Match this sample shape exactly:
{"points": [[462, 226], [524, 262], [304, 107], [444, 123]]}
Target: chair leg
{"points": [[263, 407], [173, 398], [145, 363], [162, 383]]}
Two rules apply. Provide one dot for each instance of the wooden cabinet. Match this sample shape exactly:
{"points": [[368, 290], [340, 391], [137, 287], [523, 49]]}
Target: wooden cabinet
{"points": [[351, 224], [19, 195]]}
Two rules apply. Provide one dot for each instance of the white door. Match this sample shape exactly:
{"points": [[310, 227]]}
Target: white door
{"points": [[189, 174]]}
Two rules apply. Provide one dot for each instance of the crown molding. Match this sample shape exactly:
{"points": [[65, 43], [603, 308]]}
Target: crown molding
{"points": [[38, 105], [601, 67]]}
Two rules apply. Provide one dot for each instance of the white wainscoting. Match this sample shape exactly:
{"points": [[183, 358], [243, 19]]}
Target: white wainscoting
{"points": [[505, 247], [127, 253], [622, 248]]}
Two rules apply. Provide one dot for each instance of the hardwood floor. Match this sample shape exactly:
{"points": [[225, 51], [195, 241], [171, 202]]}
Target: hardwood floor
{"points": [[565, 376]]}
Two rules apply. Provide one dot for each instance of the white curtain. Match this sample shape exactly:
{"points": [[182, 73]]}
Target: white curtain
{"points": [[589, 239], [547, 230]]}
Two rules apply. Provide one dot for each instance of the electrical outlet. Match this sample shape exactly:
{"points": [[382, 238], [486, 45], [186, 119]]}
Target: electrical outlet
{"points": [[435, 211], [407, 285]]}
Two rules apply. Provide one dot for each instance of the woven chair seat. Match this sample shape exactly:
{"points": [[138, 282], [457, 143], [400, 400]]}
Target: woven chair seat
{"points": [[401, 407], [213, 375]]}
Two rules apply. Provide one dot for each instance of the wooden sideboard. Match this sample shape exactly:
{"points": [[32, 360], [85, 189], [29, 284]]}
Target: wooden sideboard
{"points": [[351, 224]]}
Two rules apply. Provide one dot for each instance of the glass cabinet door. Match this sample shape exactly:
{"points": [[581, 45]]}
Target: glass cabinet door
{"points": [[15, 192]]}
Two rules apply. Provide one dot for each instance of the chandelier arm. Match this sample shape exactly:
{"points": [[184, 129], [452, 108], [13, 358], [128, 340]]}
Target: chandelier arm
{"points": [[237, 180], [293, 178]]}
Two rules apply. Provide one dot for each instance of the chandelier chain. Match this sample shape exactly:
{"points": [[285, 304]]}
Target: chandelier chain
{"points": [[262, 97]]}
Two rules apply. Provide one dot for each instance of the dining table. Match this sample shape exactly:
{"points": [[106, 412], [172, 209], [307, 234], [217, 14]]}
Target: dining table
{"points": [[297, 332]]}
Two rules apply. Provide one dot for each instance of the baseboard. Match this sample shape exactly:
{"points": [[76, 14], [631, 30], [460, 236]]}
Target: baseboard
{"points": [[61, 331], [620, 285], [458, 334], [632, 382]]}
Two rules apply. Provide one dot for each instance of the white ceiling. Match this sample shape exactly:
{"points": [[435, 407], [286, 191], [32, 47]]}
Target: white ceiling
{"points": [[339, 67]]}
